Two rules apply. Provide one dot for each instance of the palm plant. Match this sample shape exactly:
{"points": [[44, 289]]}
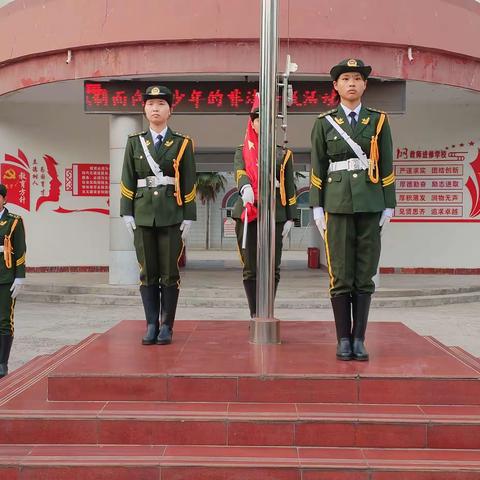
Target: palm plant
{"points": [[209, 185]]}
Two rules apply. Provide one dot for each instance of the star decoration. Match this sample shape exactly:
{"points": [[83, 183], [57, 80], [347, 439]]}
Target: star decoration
{"points": [[250, 145], [471, 143]]}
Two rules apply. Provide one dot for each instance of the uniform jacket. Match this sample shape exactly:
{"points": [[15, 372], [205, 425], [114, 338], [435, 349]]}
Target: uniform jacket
{"points": [[12, 225], [351, 191], [158, 206], [286, 208]]}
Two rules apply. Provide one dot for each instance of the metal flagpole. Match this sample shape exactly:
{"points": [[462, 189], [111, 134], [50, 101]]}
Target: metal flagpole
{"points": [[264, 328]]}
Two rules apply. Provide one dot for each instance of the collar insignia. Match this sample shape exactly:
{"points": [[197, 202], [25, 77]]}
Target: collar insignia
{"points": [[169, 143], [339, 120], [365, 121], [147, 142]]}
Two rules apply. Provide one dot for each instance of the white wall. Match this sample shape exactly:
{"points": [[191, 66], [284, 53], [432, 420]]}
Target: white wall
{"points": [[68, 135]]}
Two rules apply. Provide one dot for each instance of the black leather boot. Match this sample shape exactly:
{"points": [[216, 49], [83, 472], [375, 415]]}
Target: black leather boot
{"points": [[251, 292], [5, 346], [360, 310], [342, 313], [151, 304], [169, 308]]}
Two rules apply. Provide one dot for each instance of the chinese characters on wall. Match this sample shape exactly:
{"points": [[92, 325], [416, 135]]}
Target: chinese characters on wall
{"points": [[432, 183]]}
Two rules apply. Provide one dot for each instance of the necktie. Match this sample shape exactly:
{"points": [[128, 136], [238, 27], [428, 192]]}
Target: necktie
{"points": [[158, 142], [353, 121]]}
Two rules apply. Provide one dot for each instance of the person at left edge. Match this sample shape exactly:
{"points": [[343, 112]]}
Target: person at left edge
{"points": [[158, 206], [12, 275]]}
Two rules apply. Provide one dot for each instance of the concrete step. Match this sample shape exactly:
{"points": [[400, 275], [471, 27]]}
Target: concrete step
{"points": [[236, 299], [227, 291]]}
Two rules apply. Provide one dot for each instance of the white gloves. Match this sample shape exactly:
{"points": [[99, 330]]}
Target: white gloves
{"points": [[387, 214], [247, 194], [185, 228], [319, 217], [286, 228], [17, 285], [129, 223]]}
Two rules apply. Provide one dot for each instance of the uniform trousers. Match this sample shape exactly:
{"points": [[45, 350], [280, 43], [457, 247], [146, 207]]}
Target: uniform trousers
{"points": [[352, 244], [158, 253], [249, 254], [7, 306]]}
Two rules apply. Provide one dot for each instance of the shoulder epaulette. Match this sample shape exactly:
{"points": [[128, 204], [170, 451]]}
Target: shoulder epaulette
{"points": [[324, 114], [13, 215], [375, 110], [178, 134], [138, 133]]}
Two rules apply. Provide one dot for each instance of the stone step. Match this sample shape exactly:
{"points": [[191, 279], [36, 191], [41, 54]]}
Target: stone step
{"points": [[240, 424], [236, 299], [121, 462], [212, 361]]}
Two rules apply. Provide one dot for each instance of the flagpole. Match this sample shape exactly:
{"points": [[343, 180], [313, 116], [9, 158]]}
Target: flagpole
{"points": [[265, 328]]}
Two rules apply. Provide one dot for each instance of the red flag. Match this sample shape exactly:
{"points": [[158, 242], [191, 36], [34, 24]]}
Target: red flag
{"points": [[250, 156], [251, 212]]}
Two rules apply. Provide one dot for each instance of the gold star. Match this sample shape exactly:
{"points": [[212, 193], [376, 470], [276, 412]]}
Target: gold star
{"points": [[250, 145]]}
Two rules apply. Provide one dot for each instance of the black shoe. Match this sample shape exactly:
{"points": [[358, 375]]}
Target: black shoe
{"points": [[251, 293], [151, 334], [5, 347], [341, 305], [344, 349], [151, 304], [165, 335], [359, 351], [360, 310]]}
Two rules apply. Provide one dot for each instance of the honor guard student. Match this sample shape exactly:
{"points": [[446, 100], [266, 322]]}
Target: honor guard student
{"points": [[245, 209], [158, 206], [12, 275], [352, 193]]}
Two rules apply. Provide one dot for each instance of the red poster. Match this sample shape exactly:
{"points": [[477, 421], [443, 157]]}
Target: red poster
{"points": [[17, 181]]}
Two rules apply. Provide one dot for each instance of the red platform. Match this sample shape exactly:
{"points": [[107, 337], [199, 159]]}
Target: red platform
{"points": [[212, 406]]}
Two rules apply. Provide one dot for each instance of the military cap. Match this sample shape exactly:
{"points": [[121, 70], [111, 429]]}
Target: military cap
{"points": [[3, 190], [350, 65], [158, 92]]}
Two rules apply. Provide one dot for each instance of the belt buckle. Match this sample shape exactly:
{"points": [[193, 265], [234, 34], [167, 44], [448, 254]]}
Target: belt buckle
{"points": [[353, 164], [150, 182]]}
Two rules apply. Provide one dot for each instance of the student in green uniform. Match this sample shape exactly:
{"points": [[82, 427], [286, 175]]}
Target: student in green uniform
{"points": [[158, 206], [352, 193], [12, 275], [246, 174]]}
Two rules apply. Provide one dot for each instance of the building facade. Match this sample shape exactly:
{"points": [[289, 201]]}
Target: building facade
{"points": [[63, 161]]}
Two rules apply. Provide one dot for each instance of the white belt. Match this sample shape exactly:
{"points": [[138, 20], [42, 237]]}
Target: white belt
{"points": [[153, 181], [350, 164], [1, 249]]}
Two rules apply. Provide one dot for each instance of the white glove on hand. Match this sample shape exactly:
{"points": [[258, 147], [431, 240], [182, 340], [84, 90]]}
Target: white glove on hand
{"points": [[319, 217], [286, 228], [16, 287], [185, 228], [387, 214], [247, 194], [129, 223]]}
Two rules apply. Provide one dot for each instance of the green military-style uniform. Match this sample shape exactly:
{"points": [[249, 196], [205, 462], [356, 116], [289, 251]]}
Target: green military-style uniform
{"points": [[162, 207], [158, 190], [351, 201], [12, 265], [285, 209], [354, 187]]}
